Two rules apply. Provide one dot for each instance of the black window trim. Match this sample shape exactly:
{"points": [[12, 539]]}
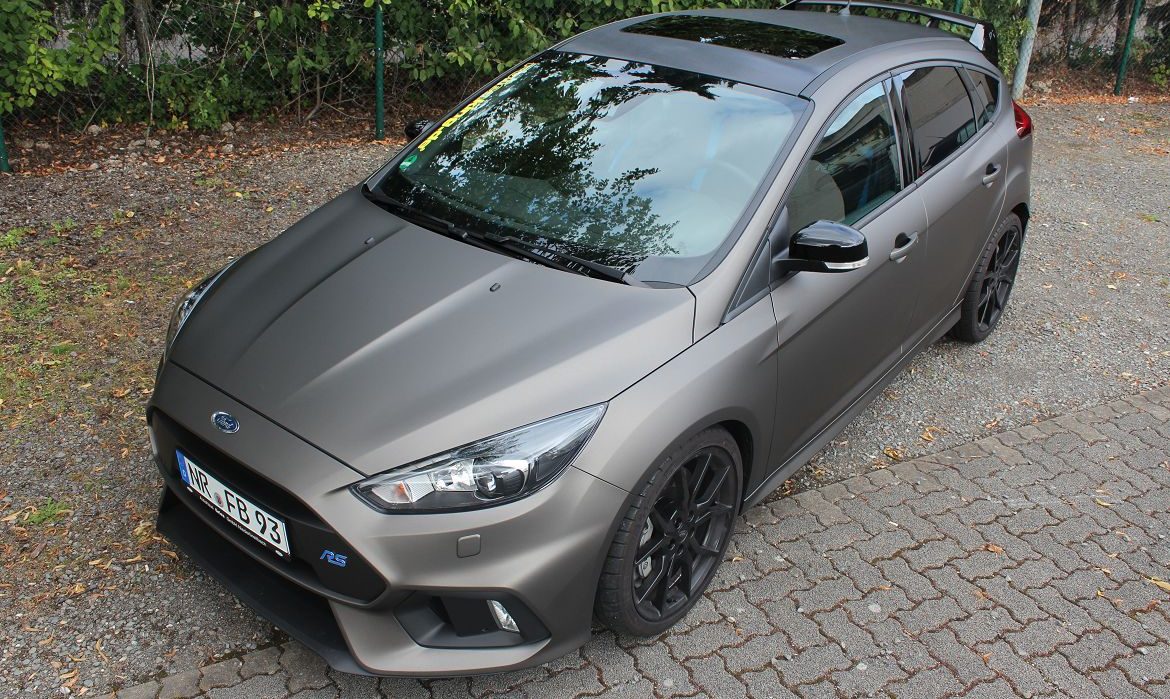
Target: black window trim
{"points": [[744, 297], [920, 177], [966, 71]]}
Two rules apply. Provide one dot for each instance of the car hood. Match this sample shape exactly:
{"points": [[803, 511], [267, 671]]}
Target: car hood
{"points": [[381, 342]]}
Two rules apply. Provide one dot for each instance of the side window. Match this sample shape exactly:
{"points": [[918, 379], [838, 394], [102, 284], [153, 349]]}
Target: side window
{"points": [[986, 96], [853, 169], [939, 111]]}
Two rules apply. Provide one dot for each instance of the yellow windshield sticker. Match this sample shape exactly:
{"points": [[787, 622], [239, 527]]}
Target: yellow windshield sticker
{"points": [[504, 82]]}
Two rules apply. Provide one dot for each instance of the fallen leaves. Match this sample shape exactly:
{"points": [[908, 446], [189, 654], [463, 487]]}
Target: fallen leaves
{"points": [[994, 548], [1160, 583], [893, 453]]}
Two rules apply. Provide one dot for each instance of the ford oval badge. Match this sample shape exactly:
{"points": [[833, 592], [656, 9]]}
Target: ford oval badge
{"points": [[225, 422]]}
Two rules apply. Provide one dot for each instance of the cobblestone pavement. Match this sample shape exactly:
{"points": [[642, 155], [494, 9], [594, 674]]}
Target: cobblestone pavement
{"points": [[1025, 564]]}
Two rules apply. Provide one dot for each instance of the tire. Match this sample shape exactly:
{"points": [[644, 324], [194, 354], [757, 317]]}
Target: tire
{"points": [[688, 544], [991, 287]]}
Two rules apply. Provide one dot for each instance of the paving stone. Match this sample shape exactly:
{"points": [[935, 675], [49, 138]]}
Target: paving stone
{"points": [[867, 676], [329, 692], [354, 685], [800, 629], [1023, 677], [1041, 637], [931, 614], [1116, 685], [181, 685], [260, 662], [221, 674], [305, 669], [146, 690], [766, 684], [812, 664], [713, 678], [259, 687], [701, 640], [967, 665], [667, 675], [568, 683], [757, 653], [1095, 650], [935, 682], [402, 688]]}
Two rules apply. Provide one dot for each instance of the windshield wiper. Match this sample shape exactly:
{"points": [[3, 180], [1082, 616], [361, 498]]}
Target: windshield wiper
{"points": [[494, 242], [537, 251], [437, 223]]}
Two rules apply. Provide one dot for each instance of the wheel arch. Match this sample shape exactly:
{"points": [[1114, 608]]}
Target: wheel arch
{"points": [[742, 434], [1023, 212]]}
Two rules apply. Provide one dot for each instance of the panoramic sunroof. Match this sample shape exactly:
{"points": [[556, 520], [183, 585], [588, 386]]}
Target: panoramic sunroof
{"points": [[759, 37]]}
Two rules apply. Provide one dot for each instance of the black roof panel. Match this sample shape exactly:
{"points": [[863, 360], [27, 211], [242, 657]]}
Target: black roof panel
{"points": [[757, 37]]}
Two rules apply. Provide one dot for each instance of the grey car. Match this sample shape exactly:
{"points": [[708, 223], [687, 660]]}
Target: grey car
{"points": [[528, 374]]}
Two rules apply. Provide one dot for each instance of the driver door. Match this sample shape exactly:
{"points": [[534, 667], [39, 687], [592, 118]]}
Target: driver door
{"points": [[839, 333]]}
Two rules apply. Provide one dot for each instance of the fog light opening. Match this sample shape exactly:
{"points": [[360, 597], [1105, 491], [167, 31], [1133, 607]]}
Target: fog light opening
{"points": [[503, 618]]}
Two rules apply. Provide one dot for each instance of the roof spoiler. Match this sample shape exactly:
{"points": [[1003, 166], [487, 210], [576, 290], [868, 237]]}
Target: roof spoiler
{"points": [[982, 37]]}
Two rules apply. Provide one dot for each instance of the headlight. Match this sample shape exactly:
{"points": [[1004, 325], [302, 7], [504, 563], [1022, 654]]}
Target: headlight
{"points": [[489, 472], [188, 302]]}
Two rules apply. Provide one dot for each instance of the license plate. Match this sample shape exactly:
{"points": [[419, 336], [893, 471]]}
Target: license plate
{"points": [[237, 509]]}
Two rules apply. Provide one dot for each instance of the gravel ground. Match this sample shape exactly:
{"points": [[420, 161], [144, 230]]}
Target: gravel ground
{"points": [[93, 599]]}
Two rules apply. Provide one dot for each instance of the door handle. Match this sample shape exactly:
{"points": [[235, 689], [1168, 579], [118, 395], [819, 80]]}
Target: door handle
{"points": [[991, 173], [902, 245]]}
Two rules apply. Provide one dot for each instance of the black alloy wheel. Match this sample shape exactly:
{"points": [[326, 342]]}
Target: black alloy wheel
{"points": [[987, 295], [999, 278], [672, 541]]}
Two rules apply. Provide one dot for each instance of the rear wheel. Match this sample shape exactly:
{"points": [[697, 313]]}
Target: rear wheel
{"points": [[990, 289], [673, 537]]}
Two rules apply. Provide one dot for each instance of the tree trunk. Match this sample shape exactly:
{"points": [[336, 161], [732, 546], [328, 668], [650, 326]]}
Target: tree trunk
{"points": [[142, 30], [1020, 80], [1070, 28]]}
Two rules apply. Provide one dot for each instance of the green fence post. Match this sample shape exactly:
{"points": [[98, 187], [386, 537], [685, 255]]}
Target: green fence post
{"points": [[1133, 20], [4, 166], [379, 68], [958, 7]]}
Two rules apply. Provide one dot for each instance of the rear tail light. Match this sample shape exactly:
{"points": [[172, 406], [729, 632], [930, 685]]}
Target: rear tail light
{"points": [[1023, 121]]}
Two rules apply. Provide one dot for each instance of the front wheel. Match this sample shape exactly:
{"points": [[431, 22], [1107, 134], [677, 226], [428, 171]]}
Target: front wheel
{"points": [[995, 275], [673, 537]]}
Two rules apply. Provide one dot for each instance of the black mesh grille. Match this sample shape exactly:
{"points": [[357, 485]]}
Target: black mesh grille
{"points": [[308, 535]]}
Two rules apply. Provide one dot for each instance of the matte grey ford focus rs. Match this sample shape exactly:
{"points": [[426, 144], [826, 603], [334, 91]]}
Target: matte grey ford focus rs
{"points": [[532, 370]]}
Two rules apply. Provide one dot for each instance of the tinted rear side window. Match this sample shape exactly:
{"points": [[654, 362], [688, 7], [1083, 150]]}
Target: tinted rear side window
{"points": [[986, 96], [939, 111]]}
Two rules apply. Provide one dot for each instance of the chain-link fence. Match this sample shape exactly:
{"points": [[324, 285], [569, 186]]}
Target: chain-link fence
{"points": [[66, 65]]}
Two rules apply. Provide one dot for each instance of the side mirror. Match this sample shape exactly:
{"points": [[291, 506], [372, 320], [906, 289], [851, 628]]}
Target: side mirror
{"points": [[414, 128], [824, 246]]}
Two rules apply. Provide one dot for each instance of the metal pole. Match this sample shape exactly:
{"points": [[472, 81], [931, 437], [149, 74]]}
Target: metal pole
{"points": [[958, 9], [379, 69], [1133, 20], [4, 166]]}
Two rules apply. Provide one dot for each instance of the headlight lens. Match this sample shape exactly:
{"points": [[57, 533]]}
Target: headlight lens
{"points": [[188, 302], [490, 472]]}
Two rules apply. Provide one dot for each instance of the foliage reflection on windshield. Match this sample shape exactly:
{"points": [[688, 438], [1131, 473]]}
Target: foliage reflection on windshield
{"points": [[640, 167]]}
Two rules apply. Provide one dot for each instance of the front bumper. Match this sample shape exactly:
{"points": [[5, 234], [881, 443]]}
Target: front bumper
{"points": [[412, 600]]}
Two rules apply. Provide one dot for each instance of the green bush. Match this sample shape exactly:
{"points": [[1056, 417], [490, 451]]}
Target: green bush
{"points": [[258, 57], [31, 68]]}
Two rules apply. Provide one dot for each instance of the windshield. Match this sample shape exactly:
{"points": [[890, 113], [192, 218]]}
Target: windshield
{"points": [[639, 167]]}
